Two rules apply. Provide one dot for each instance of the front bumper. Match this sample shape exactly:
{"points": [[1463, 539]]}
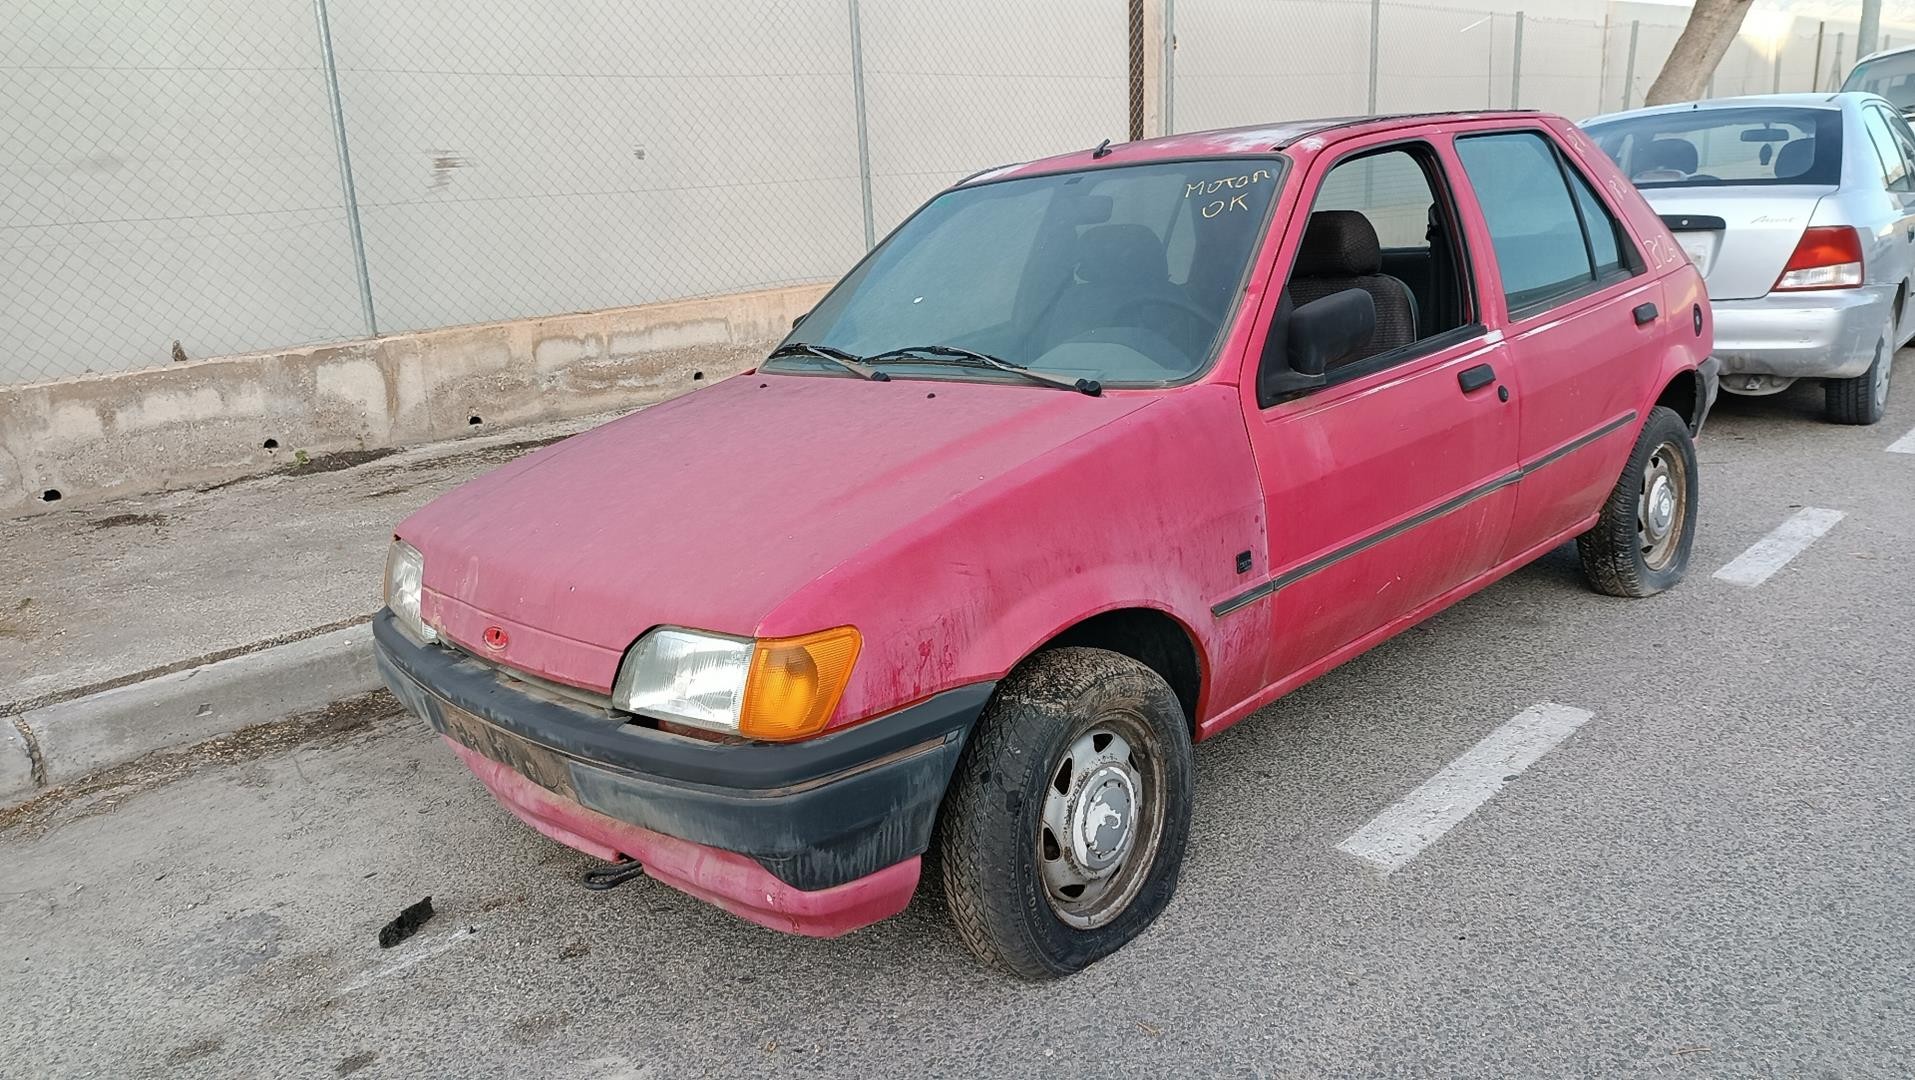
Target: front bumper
{"points": [[818, 837], [1826, 334]]}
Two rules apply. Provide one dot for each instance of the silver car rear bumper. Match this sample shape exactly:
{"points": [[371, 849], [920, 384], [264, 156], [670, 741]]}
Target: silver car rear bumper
{"points": [[1826, 334]]}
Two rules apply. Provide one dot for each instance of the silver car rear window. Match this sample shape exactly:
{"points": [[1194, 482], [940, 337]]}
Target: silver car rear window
{"points": [[1716, 147]]}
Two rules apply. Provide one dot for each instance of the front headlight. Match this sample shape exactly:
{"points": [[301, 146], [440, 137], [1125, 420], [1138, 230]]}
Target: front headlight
{"points": [[405, 579], [771, 688], [686, 676]]}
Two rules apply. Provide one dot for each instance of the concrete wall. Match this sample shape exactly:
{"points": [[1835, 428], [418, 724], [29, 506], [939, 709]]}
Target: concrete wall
{"points": [[205, 421], [168, 169]]}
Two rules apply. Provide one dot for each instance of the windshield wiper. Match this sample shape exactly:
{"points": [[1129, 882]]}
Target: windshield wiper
{"points": [[855, 364], [973, 358]]}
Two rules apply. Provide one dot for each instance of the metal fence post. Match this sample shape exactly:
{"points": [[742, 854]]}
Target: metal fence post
{"points": [[1489, 63], [1835, 73], [1516, 67], [1376, 36], [345, 167], [1815, 73], [864, 134], [1629, 69], [1170, 67]]}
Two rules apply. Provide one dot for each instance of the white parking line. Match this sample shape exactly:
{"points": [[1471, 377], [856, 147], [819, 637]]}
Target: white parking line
{"points": [[1773, 552], [1903, 445], [1420, 818]]}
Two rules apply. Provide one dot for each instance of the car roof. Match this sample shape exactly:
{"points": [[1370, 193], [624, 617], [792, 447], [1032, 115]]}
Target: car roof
{"points": [[1823, 100], [1877, 55], [1252, 140]]}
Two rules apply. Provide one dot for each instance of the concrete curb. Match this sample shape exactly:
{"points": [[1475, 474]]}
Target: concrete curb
{"points": [[58, 743]]}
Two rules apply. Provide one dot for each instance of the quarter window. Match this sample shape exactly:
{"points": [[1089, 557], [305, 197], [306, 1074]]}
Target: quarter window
{"points": [[1552, 235], [1605, 232]]}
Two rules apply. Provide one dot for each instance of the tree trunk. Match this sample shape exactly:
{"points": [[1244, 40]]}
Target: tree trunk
{"points": [[1710, 31]]}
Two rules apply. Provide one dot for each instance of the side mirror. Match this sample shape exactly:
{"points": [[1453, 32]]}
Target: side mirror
{"points": [[799, 319], [1319, 334]]}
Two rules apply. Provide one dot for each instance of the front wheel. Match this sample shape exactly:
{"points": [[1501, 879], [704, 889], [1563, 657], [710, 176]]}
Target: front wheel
{"points": [[1065, 827], [1640, 544]]}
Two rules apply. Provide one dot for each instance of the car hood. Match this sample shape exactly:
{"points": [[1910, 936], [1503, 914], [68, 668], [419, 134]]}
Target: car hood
{"points": [[708, 510]]}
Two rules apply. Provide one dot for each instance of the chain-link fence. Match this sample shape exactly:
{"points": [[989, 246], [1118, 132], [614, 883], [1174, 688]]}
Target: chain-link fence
{"points": [[188, 178], [203, 177], [1329, 57]]}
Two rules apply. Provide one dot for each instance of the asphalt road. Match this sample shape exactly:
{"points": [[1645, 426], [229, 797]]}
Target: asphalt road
{"points": [[1714, 875]]}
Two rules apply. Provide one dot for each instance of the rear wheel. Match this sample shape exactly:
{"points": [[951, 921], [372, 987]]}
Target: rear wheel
{"points": [[1640, 544], [1863, 399], [1065, 827]]}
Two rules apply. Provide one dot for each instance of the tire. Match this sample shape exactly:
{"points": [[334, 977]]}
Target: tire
{"points": [[1626, 553], [1007, 874], [1863, 399]]}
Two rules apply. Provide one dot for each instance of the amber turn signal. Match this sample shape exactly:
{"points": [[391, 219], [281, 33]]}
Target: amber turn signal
{"points": [[794, 683]]}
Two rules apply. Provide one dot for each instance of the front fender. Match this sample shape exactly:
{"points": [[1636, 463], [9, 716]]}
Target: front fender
{"points": [[1151, 510]]}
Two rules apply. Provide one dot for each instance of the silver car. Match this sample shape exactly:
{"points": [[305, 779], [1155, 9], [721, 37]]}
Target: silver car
{"points": [[1890, 73], [1799, 209]]}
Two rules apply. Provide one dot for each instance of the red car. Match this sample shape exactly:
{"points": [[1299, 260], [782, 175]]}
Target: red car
{"points": [[1093, 457]]}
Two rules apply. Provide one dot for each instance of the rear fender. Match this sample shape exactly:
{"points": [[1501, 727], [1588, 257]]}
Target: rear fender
{"points": [[1689, 337]]}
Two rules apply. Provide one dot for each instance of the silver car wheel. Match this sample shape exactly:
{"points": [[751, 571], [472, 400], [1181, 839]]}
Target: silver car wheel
{"points": [[1882, 366]]}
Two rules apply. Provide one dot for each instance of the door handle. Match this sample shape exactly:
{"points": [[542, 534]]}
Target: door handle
{"points": [[1645, 313], [1474, 379]]}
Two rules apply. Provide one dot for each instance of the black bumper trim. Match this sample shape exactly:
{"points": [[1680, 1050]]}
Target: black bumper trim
{"points": [[815, 814]]}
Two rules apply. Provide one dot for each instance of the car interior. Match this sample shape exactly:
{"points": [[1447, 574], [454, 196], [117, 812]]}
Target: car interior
{"points": [[1131, 273], [1143, 268], [1121, 274], [1378, 226], [1726, 146], [1672, 157]]}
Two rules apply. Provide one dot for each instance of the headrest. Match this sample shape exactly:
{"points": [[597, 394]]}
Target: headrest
{"points": [[1121, 255], [1669, 153], [1794, 158], [1338, 243]]}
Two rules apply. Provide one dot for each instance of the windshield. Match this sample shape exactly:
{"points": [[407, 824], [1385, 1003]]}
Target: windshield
{"points": [[1893, 77], [1124, 276], [1728, 147]]}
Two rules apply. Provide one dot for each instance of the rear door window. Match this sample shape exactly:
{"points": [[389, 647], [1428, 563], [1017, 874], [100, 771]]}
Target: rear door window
{"points": [[1533, 223], [1904, 137], [1888, 152]]}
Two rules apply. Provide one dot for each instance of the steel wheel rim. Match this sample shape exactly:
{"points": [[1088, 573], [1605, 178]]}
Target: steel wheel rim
{"points": [[1662, 506], [1101, 821]]}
